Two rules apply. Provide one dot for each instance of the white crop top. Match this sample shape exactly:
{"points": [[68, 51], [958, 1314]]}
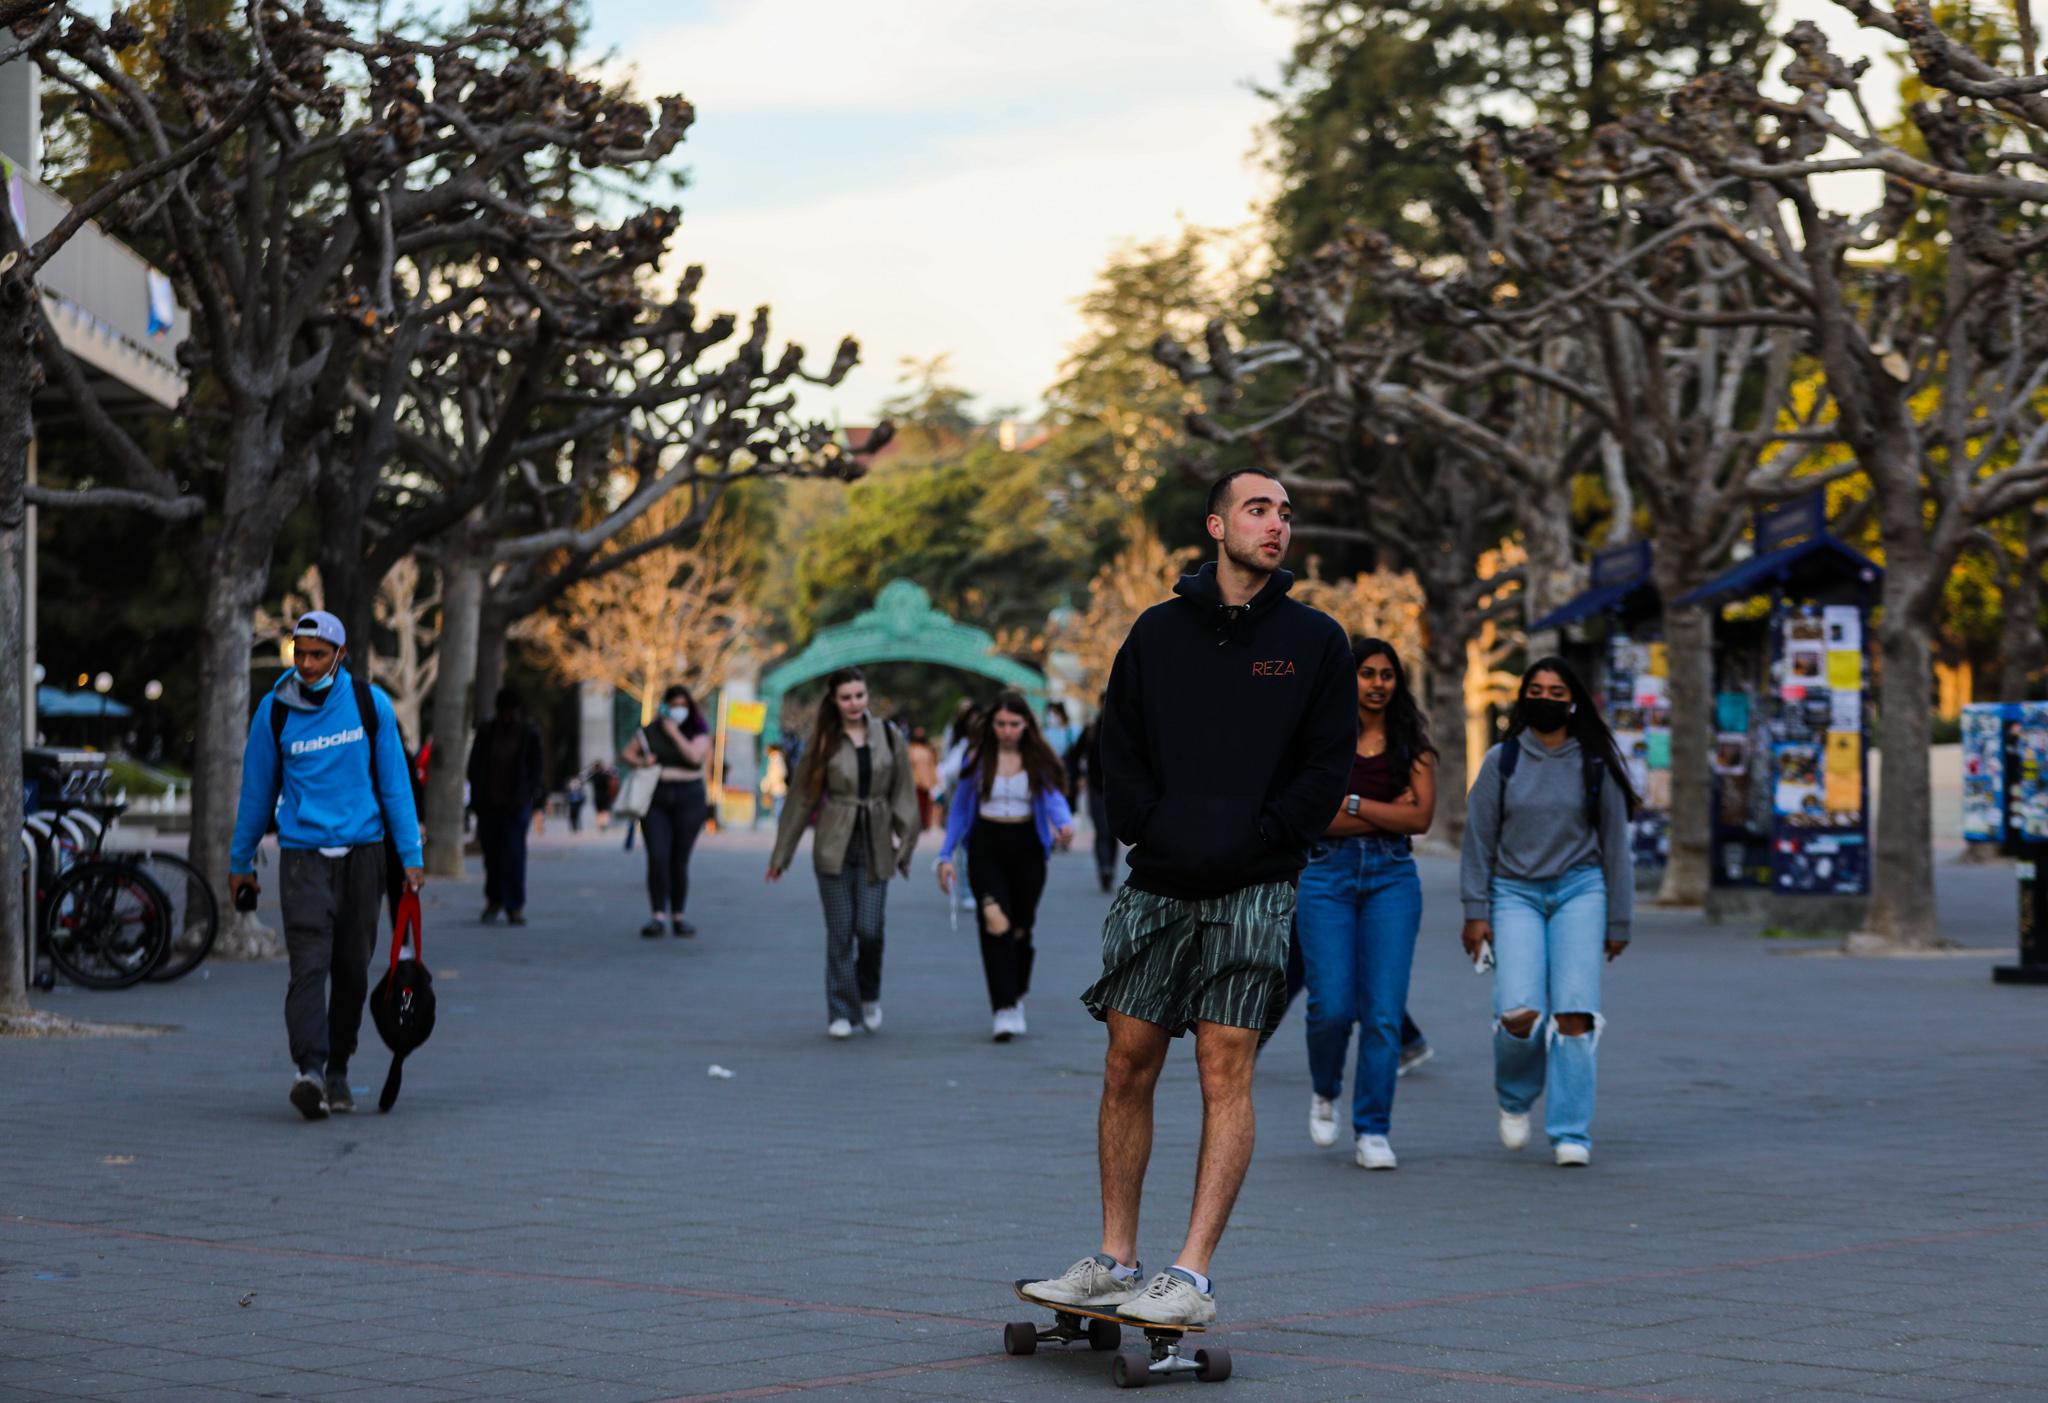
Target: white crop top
{"points": [[1008, 797]]}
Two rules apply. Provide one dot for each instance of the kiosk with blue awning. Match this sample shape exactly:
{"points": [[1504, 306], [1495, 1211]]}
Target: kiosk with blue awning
{"points": [[1791, 742], [1634, 680]]}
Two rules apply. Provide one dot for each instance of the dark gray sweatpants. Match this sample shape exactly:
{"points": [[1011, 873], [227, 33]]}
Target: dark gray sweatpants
{"points": [[330, 926]]}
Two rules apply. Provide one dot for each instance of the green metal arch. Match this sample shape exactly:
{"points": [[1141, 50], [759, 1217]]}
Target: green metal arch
{"points": [[902, 627]]}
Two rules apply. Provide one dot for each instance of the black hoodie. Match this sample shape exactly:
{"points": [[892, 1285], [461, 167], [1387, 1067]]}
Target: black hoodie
{"points": [[1227, 737]]}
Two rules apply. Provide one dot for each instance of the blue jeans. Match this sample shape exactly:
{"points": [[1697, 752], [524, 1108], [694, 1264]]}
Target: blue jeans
{"points": [[1549, 942], [1359, 909]]}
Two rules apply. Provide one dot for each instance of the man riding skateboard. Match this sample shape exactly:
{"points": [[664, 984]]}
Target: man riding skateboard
{"points": [[1227, 735]]}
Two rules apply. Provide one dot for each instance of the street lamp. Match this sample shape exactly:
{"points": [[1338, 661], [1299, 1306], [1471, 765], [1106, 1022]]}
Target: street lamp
{"points": [[152, 690], [104, 683]]}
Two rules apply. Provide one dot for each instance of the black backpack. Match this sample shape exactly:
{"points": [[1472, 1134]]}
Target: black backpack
{"points": [[403, 1001], [1592, 773], [366, 711]]}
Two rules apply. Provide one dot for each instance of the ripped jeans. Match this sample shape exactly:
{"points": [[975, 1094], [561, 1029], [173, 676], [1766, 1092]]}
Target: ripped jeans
{"points": [[1549, 942]]}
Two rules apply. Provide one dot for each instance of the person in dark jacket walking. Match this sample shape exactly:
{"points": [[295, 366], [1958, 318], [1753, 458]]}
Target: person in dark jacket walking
{"points": [[1084, 773], [1226, 742], [506, 781]]}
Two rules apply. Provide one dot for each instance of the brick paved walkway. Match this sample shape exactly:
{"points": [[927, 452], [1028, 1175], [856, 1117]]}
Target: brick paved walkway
{"points": [[1815, 1178]]}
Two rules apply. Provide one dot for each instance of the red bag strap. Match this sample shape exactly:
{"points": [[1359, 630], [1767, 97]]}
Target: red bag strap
{"points": [[408, 919]]}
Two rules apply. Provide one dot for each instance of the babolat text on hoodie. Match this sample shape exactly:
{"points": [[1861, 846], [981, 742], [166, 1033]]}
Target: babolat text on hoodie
{"points": [[1227, 736], [323, 793]]}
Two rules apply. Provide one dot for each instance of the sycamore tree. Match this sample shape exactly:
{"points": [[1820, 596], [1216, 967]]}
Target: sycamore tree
{"points": [[1940, 467], [207, 104]]}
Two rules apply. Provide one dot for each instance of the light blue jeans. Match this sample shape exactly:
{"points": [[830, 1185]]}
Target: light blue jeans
{"points": [[1549, 942], [1359, 909]]}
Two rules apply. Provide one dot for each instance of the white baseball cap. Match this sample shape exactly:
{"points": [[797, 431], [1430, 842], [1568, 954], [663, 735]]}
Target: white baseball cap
{"points": [[321, 625]]}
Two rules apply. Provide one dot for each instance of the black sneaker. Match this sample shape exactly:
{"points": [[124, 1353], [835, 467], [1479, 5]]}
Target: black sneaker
{"points": [[340, 1100], [490, 913], [310, 1096], [654, 929], [684, 930], [515, 917]]}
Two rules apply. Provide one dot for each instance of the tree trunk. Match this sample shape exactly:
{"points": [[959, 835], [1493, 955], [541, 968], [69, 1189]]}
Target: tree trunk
{"points": [[1689, 646], [462, 589], [1902, 871], [492, 625], [17, 428], [234, 586], [1445, 687], [1552, 580], [346, 586]]}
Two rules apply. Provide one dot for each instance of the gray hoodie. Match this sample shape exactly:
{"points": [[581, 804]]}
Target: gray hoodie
{"points": [[1545, 834]]}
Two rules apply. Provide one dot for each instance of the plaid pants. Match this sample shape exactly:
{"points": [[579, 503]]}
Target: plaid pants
{"points": [[854, 909]]}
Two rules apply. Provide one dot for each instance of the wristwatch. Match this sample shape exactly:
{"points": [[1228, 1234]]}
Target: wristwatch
{"points": [[1351, 805]]}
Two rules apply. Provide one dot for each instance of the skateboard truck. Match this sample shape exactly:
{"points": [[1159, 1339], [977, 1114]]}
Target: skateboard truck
{"points": [[1211, 1363]]}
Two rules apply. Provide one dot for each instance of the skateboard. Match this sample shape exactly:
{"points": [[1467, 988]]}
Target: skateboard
{"points": [[1104, 1330]]}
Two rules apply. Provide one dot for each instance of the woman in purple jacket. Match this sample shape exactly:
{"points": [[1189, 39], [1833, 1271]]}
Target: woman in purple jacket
{"points": [[1010, 807]]}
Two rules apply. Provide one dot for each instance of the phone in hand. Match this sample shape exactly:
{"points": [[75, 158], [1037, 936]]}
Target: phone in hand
{"points": [[1484, 960], [245, 897]]}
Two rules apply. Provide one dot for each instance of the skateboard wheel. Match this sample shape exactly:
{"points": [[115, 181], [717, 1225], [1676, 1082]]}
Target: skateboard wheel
{"points": [[1020, 1337], [1126, 1374], [1212, 1365], [1104, 1334]]}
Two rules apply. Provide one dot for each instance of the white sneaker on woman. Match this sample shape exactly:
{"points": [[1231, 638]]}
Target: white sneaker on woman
{"points": [[1374, 1152], [1004, 1025], [871, 1017], [1514, 1129], [1322, 1120], [839, 1028], [1572, 1156]]}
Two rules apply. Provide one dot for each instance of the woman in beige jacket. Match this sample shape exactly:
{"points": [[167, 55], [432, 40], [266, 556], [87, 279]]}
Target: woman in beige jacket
{"points": [[855, 776]]}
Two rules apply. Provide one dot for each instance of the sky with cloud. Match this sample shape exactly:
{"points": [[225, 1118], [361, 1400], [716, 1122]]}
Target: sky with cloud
{"points": [[939, 177]]}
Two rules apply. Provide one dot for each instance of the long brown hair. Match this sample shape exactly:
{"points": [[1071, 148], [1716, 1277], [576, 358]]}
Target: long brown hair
{"points": [[1040, 763], [827, 731]]}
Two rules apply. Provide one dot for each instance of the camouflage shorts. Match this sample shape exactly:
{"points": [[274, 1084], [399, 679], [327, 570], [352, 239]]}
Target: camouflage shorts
{"points": [[1176, 962]]}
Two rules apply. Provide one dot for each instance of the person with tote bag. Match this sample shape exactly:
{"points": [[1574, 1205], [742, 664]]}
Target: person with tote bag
{"points": [[672, 748]]}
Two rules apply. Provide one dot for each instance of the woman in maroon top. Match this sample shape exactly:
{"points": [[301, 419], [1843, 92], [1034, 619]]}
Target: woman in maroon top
{"points": [[1360, 908]]}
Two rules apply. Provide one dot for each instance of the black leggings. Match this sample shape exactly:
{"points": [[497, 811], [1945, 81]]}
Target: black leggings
{"points": [[1006, 865], [670, 829]]}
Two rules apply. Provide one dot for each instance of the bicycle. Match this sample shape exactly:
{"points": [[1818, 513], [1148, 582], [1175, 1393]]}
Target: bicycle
{"points": [[112, 919]]}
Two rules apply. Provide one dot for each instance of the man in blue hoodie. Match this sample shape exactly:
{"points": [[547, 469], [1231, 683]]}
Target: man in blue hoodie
{"points": [[329, 746]]}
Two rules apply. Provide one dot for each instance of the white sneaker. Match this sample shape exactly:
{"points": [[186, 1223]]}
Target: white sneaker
{"points": [[1322, 1120], [839, 1028], [1171, 1300], [1017, 1018], [1571, 1156], [1375, 1153], [1004, 1026], [871, 1017], [1514, 1130], [1090, 1283]]}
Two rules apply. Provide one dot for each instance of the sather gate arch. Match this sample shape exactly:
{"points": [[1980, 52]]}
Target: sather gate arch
{"points": [[901, 627]]}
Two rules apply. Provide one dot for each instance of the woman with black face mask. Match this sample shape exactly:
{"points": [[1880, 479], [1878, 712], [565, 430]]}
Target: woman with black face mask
{"points": [[1548, 882]]}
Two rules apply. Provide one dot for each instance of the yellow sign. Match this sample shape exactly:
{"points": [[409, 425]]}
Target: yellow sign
{"points": [[746, 717], [1845, 671]]}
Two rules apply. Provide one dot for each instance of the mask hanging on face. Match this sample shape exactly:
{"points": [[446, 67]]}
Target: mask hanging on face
{"points": [[679, 714]]}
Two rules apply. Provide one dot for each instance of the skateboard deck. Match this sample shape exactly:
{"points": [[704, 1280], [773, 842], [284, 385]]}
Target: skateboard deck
{"points": [[1103, 1330]]}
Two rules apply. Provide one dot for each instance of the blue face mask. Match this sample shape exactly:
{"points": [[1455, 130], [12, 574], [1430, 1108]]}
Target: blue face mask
{"points": [[679, 714], [324, 683]]}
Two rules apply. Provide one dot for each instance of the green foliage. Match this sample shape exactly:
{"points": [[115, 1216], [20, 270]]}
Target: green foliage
{"points": [[1378, 99]]}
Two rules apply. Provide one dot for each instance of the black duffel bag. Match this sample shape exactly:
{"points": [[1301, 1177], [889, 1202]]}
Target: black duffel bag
{"points": [[403, 1001]]}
